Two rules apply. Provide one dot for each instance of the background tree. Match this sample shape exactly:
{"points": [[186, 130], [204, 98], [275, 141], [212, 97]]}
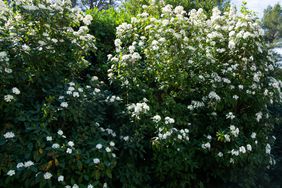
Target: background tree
{"points": [[135, 6], [100, 4], [272, 23]]}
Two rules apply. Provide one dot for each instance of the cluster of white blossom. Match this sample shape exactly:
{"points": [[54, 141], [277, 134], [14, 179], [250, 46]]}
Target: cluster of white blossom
{"points": [[173, 133], [109, 131], [156, 118], [112, 99], [10, 97], [137, 109], [26, 164], [9, 135]]}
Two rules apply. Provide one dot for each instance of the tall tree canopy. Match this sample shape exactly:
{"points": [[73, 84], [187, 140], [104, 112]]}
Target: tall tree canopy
{"points": [[100, 4], [134, 6], [272, 22]]}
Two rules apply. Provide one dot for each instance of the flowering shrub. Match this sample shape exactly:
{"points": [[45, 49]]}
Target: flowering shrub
{"points": [[52, 114], [210, 82], [192, 108]]}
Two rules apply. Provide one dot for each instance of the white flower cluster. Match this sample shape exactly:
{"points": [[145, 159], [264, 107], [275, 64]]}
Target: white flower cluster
{"points": [[136, 109], [241, 150], [26, 164], [156, 118], [169, 120], [234, 130], [9, 97], [195, 105], [9, 135], [112, 99], [109, 131], [175, 134], [206, 145]]}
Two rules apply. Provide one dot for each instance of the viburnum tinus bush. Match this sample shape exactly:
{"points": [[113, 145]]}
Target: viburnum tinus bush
{"points": [[198, 90], [52, 114]]}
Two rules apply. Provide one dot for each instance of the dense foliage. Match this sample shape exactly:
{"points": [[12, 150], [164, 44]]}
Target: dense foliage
{"points": [[185, 101], [103, 27]]}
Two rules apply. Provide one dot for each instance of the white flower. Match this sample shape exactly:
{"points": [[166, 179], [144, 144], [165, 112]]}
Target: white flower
{"points": [[72, 84], [54, 40], [179, 10], [136, 56], [235, 152], [231, 45], [20, 165], [230, 116], [253, 135], [69, 151], [87, 19], [234, 130], [169, 120], [55, 146], [258, 116], [67, 186], [75, 94], [96, 161], [9, 135], [75, 186], [64, 104], [96, 90], [220, 154], [47, 175], [118, 42], [16, 91], [206, 145], [156, 118], [94, 78], [11, 172], [71, 88], [249, 147], [90, 186], [60, 132], [236, 97], [9, 71], [108, 149], [227, 138], [112, 144], [3, 54], [105, 185], [126, 138], [138, 108], [49, 138], [70, 143], [28, 164], [99, 146], [179, 137], [242, 149], [267, 149], [232, 161], [167, 9], [60, 178], [213, 95], [8, 98]]}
